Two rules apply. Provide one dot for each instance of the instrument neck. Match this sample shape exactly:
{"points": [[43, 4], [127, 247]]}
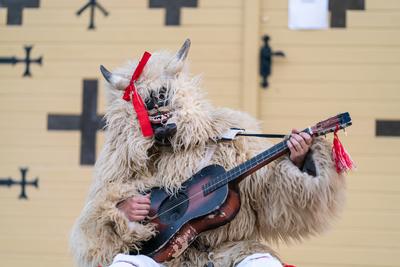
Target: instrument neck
{"points": [[245, 169], [241, 171]]}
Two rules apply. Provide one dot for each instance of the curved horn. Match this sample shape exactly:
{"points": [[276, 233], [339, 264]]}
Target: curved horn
{"points": [[106, 73], [177, 62], [183, 52], [116, 80]]}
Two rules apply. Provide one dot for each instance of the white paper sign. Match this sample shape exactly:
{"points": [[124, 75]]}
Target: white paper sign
{"points": [[308, 14]]}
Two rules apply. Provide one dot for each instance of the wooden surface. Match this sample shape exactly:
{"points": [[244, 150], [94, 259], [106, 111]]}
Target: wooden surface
{"points": [[327, 72], [354, 69], [35, 232]]}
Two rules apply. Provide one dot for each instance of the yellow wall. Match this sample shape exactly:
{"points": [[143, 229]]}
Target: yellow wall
{"points": [[355, 69], [325, 72]]}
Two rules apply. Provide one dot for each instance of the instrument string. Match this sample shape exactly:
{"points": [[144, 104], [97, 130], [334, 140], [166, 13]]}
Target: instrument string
{"points": [[280, 147]]}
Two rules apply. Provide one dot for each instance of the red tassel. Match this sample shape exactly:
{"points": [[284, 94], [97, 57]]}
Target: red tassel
{"points": [[137, 102], [342, 159], [287, 265]]}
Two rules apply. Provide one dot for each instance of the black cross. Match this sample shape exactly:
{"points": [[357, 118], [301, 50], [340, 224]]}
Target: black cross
{"points": [[338, 10], [27, 60], [387, 128], [173, 9], [14, 9], [93, 5], [88, 122], [23, 183]]}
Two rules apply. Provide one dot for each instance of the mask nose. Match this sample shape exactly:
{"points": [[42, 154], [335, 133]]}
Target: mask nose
{"points": [[163, 133]]}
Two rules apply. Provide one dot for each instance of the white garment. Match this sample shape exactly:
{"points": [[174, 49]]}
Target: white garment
{"points": [[122, 260], [260, 260], [255, 260]]}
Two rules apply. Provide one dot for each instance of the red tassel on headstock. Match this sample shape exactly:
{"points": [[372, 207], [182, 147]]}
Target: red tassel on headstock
{"points": [[342, 159]]}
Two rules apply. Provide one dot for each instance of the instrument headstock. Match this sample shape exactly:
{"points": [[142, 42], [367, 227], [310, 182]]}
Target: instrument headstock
{"points": [[337, 122]]}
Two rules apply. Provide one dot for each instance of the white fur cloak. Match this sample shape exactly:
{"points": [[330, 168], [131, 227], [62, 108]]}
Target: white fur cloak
{"points": [[279, 202]]}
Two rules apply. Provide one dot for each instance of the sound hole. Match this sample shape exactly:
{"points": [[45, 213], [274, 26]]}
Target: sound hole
{"points": [[173, 208]]}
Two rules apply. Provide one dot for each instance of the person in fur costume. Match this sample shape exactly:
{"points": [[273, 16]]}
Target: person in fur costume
{"points": [[292, 198]]}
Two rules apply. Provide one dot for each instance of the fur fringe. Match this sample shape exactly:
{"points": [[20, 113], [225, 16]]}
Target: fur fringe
{"points": [[279, 202]]}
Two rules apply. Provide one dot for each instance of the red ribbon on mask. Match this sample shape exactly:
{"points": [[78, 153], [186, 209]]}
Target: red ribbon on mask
{"points": [[137, 102]]}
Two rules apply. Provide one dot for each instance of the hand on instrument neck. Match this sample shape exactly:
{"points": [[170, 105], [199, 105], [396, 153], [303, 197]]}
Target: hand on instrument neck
{"points": [[299, 144]]}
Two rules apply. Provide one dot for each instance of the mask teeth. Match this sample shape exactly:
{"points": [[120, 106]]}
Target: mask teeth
{"points": [[160, 118]]}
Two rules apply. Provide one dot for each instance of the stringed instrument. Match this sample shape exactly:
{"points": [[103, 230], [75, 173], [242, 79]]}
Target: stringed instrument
{"points": [[210, 198]]}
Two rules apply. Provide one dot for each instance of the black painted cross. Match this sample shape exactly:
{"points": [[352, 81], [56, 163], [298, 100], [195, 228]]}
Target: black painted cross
{"points": [[27, 60], [88, 122], [338, 10], [15, 8], [173, 9], [23, 183], [387, 128], [93, 5]]}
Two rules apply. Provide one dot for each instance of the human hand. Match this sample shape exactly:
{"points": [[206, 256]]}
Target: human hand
{"points": [[135, 208], [299, 143]]}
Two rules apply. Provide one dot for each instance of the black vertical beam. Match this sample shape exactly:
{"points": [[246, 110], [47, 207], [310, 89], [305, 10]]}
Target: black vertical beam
{"points": [[338, 10], [89, 122], [172, 9], [15, 9], [387, 128]]}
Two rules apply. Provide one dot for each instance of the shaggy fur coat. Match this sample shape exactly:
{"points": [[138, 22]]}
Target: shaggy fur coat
{"points": [[279, 202]]}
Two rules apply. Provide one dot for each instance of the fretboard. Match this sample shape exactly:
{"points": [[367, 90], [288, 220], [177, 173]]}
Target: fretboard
{"points": [[247, 168], [332, 124]]}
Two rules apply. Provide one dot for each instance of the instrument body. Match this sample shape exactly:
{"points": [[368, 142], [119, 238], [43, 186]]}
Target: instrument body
{"points": [[178, 227], [210, 198]]}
